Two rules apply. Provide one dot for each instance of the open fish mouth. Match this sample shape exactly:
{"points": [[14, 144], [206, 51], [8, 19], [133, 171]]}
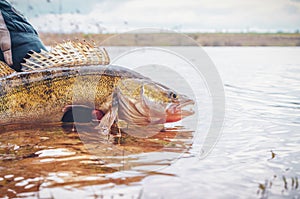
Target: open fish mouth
{"points": [[184, 108]]}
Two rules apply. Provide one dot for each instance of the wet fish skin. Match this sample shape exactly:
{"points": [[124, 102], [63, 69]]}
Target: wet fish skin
{"points": [[74, 74], [40, 96]]}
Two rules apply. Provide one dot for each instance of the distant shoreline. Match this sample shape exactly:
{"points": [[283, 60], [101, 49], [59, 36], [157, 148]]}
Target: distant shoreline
{"points": [[166, 39]]}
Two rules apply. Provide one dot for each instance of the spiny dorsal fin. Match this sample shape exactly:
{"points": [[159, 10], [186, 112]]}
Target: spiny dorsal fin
{"points": [[68, 54], [5, 70]]}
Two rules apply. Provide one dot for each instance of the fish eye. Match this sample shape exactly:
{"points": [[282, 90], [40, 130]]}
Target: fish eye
{"points": [[172, 95]]}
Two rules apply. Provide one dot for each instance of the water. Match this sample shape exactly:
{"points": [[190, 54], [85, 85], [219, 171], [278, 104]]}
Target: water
{"points": [[257, 155]]}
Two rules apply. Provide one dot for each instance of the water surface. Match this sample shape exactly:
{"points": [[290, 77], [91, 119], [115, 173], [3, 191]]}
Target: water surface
{"points": [[257, 155]]}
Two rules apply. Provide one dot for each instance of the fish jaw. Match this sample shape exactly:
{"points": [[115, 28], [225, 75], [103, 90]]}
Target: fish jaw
{"points": [[179, 111]]}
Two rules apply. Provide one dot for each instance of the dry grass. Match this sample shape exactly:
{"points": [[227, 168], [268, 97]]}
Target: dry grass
{"points": [[166, 39]]}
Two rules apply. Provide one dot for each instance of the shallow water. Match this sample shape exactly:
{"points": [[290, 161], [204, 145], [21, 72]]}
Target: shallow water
{"points": [[257, 155]]}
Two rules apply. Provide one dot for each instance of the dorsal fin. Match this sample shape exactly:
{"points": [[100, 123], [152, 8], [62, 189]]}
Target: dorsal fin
{"points": [[5, 69], [68, 54]]}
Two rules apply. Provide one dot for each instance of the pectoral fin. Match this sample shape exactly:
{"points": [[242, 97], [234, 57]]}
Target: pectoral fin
{"points": [[107, 121], [109, 117]]}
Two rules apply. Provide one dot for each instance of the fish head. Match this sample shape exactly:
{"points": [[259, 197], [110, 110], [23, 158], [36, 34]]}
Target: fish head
{"points": [[169, 103], [149, 102]]}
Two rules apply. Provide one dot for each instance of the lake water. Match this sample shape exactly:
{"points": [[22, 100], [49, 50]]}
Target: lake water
{"points": [[256, 156]]}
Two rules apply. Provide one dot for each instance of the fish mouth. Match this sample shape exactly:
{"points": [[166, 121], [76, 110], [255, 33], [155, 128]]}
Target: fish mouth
{"points": [[180, 110], [185, 108]]}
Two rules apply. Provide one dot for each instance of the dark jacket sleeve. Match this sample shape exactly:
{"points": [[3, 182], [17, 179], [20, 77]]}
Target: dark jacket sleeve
{"points": [[24, 37]]}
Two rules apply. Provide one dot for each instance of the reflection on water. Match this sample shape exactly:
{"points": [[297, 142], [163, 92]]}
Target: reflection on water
{"points": [[35, 159], [257, 155]]}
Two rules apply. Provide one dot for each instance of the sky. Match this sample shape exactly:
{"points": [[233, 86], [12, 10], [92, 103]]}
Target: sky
{"points": [[103, 16]]}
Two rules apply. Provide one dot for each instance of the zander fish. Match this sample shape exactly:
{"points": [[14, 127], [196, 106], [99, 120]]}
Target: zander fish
{"points": [[79, 75]]}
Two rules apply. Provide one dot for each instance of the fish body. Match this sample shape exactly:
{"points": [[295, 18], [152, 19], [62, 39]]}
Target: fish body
{"points": [[79, 75], [40, 96]]}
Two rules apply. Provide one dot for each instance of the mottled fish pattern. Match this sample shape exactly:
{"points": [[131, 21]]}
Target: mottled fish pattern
{"points": [[46, 85]]}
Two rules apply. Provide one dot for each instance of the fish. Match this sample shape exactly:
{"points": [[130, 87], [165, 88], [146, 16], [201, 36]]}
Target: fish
{"points": [[79, 76]]}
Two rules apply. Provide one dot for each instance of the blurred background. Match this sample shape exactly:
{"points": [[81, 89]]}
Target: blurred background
{"points": [[193, 17]]}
